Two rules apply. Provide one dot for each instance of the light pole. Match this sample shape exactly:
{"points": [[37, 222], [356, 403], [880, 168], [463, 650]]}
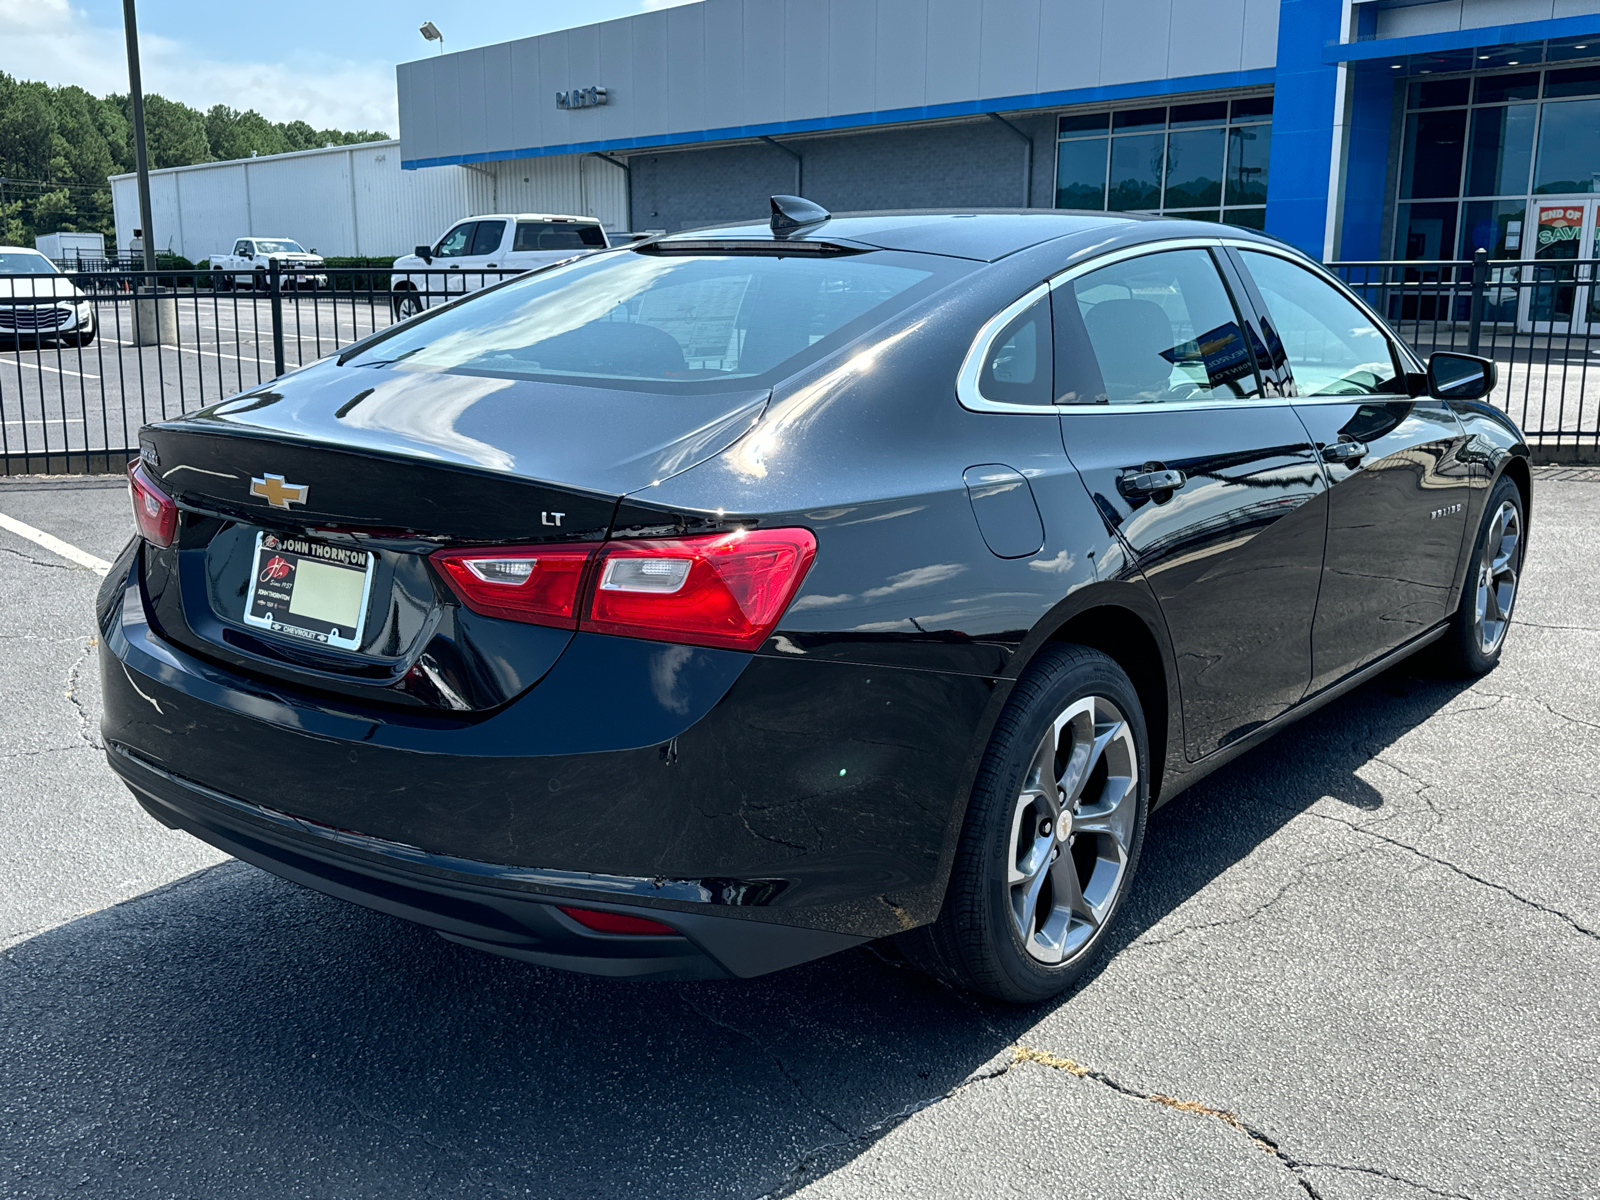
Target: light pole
{"points": [[130, 27], [431, 31]]}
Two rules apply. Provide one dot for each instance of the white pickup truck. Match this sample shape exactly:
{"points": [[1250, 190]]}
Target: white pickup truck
{"points": [[252, 259], [482, 250]]}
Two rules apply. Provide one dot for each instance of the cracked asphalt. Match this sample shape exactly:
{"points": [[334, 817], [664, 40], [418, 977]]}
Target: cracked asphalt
{"points": [[1362, 961]]}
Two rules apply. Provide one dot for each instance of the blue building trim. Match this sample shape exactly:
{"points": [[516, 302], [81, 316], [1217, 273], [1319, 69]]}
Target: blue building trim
{"points": [[1303, 116], [1096, 95], [1459, 39], [1366, 169]]}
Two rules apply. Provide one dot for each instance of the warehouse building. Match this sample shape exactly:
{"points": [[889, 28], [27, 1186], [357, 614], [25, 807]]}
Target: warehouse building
{"points": [[354, 200], [1356, 129]]}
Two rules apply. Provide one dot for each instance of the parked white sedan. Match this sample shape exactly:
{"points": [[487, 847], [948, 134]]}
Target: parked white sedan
{"points": [[484, 250], [38, 302]]}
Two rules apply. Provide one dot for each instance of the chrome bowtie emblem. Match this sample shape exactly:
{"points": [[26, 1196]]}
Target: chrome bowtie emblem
{"points": [[278, 493]]}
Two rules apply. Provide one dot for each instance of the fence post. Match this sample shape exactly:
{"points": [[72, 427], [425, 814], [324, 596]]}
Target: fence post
{"points": [[1480, 278], [275, 278]]}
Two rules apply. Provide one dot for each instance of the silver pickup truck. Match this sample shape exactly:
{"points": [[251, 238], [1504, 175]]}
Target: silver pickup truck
{"points": [[252, 259]]}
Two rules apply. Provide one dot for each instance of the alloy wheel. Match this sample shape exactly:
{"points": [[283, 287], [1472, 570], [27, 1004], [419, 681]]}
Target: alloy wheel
{"points": [[1497, 576], [1071, 830]]}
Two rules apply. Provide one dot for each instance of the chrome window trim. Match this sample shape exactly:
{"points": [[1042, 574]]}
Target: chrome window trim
{"points": [[973, 400], [972, 366]]}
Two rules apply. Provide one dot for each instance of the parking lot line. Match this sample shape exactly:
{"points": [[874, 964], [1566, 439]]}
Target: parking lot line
{"points": [[55, 545], [22, 362]]}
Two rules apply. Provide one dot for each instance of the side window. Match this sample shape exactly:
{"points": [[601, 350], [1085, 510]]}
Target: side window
{"points": [[1333, 347], [1017, 368], [487, 240], [1151, 330], [457, 242]]}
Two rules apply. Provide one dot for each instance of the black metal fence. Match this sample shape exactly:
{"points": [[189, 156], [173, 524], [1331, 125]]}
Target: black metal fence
{"points": [[87, 357], [1539, 321]]}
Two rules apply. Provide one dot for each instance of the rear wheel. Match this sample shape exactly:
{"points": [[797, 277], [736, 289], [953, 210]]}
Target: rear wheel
{"points": [[1483, 615], [1052, 834]]}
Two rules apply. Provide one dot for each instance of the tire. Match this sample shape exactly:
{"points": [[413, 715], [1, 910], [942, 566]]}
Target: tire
{"points": [[221, 282], [262, 283], [1477, 633], [407, 305], [80, 339], [1026, 914]]}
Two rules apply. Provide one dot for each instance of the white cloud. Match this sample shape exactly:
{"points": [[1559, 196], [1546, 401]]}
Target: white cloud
{"points": [[51, 41]]}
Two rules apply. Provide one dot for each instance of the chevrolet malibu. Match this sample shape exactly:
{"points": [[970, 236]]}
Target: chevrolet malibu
{"points": [[706, 606]]}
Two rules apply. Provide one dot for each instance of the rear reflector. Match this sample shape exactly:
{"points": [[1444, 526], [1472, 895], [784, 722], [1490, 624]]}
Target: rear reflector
{"points": [[538, 585], [153, 510], [725, 590], [609, 922]]}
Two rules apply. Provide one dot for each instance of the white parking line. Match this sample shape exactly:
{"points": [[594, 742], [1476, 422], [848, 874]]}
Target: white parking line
{"points": [[55, 545], [22, 362]]}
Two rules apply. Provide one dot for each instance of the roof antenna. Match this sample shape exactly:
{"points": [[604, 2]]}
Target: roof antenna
{"points": [[795, 212]]}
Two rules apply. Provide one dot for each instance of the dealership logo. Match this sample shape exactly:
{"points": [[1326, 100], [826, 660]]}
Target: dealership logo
{"points": [[589, 97]]}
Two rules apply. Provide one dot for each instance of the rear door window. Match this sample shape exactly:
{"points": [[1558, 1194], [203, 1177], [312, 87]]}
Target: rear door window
{"points": [[558, 235], [1333, 347], [1159, 329]]}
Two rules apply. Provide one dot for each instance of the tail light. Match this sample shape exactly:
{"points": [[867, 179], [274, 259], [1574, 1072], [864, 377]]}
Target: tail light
{"points": [[153, 510], [610, 922], [725, 590], [539, 585]]}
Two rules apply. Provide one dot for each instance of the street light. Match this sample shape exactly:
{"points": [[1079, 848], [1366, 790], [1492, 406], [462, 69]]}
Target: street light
{"points": [[431, 31]]}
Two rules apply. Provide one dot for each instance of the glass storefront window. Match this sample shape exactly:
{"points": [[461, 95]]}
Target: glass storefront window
{"points": [[1495, 226], [1496, 89], [1426, 231], [1081, 174], [1194, 168], [1438, 93], [1434, 141], [1183, 160], [1502, 150], [1569, 147], [1249, 148], [1136, 172], [1578, 81]]}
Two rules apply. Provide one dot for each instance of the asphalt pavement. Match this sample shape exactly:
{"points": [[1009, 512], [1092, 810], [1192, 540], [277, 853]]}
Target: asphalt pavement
{"points": [[1361, 962]]}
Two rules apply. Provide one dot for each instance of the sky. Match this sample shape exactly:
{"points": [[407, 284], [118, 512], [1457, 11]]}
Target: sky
{"points": [[330, 64]]}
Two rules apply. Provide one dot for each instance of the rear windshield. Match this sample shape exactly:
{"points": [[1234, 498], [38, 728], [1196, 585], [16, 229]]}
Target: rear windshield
{"points": [[643, 319], [25, 262], [558, 235]]}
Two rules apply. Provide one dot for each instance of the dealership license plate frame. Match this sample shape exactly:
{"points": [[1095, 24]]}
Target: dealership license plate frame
{"points": [[293, 629]]}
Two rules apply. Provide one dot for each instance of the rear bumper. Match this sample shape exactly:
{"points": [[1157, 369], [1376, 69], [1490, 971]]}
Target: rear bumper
{"points": [[771, 808], [497, 909]]}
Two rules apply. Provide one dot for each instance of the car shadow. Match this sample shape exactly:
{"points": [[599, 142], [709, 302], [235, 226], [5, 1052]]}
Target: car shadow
{"points": [[232, 1034]]}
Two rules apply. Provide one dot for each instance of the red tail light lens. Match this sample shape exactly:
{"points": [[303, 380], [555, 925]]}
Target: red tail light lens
{"points": [[726, 590], [539, 585], [153, 510], [609, 922]]}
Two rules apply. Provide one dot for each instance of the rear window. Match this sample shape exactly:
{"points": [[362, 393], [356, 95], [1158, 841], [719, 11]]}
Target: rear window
{"points": [[558, 235], [643, 319]]}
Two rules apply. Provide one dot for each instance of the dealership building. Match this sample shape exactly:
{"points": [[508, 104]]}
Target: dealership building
{"points": [[1356, 129]]}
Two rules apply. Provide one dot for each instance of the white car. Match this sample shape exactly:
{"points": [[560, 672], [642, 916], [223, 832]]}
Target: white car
{"points": [[252, 259], [38, 302], [483, 250]]}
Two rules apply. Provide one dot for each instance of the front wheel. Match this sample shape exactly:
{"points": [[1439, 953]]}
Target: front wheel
{"points": [[1052, 834], [407, 304], [1478, 630]]}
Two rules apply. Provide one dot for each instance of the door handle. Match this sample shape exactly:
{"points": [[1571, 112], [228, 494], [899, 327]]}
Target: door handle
{"points": [[1344, 452], [1144, 483], [488, 264]]}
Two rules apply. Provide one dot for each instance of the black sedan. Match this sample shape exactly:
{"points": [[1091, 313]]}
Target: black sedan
{"points": [[712, 604]]}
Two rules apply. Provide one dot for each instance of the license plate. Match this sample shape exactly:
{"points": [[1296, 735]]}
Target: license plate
{"points": [[309, 590]]}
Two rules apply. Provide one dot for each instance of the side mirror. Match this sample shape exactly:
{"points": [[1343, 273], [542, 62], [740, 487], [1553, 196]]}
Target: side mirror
{"points": [[1460, 376], [425, 253]]}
